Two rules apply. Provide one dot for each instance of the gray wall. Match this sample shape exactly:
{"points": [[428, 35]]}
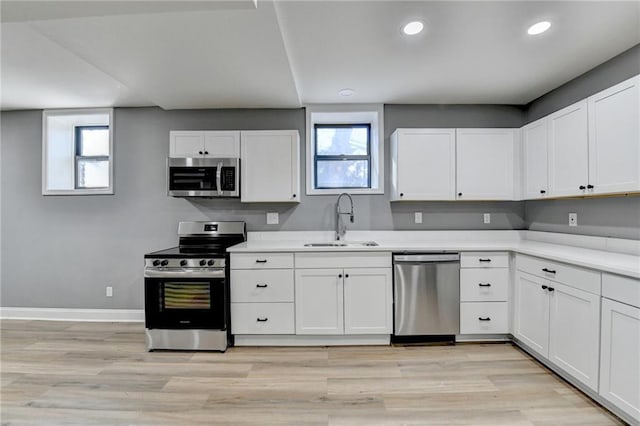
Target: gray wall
{"points": [[64, 250]]}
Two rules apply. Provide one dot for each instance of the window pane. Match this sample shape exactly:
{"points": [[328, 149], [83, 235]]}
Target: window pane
{"points": [[343, 174], [342, 140], [94, 142], [93, 173]]}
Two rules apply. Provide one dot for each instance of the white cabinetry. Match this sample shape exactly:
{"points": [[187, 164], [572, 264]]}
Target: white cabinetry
{"points": [[614, 138], [535, 137], [485, 163], [270, 166], [347, 300], [560, 321], [215, 144], [423, 164], [484, 293], [568, 151], [620, 344]]}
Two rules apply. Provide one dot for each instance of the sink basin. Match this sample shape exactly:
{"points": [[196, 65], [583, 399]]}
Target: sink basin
{"points": [[343, 244]]}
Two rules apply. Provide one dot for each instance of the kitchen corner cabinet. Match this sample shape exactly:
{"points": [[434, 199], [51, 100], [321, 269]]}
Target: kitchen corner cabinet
{"points": [[270, 166], [423, 164], [614, 138], [559, 321], [568, 151], [535, 137], [485, 164], [214, 144]]}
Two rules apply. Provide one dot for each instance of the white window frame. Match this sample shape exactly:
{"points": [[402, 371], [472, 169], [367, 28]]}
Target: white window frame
{"points": [[372, 114], [45, 150]]}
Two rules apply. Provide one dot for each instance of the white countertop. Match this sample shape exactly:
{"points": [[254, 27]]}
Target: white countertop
{"points": [[608, 261]]}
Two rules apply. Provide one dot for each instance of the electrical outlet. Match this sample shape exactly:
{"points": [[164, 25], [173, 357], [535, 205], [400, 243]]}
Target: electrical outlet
{"points": [[573, 219], [418, 217], [109, 291], [487, 218], [273, 218]]}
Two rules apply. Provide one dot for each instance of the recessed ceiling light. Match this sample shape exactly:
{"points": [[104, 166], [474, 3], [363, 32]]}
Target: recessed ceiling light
{"points": [[413, 28], [539, 28], [346, 92]]}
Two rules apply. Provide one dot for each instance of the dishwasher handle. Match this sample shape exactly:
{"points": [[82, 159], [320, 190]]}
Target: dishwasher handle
{"points": [[426, 258]]}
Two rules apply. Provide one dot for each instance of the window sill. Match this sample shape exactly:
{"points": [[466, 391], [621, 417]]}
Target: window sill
{"points": [[108, 191], [352, 191]]}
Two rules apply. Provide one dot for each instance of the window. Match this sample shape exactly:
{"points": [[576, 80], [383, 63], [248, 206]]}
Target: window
{"points": [[77, 152], [344, 149], [342, 156]]}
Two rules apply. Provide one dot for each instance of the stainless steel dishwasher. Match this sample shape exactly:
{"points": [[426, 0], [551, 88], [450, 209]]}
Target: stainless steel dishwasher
{"points": [[426, 296]]}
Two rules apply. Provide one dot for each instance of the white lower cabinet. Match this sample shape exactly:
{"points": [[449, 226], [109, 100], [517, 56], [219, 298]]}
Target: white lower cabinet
{"points": [[262, 318], [484, 318], [343, 301], [559, 321]]}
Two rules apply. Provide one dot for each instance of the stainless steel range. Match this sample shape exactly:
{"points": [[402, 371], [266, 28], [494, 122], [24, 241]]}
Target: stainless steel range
{"points": [[187, 288]]}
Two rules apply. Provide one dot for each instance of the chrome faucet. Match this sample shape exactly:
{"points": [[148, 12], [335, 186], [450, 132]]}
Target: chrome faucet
{"points": [[340, 228]]}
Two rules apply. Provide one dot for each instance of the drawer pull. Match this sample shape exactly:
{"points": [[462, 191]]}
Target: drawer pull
{"points": [[261, 260], [484, 260], [484, 285], [549, 271], [484, 319], [551, 289], [262, 319], [261, 285], [544, 287]]}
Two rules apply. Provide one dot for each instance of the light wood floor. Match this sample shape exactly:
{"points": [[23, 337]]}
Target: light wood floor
{"points": [[100, 373]]}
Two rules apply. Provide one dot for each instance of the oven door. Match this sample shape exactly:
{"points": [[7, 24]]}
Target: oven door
{"points": [[185, 303], [203, 177]]}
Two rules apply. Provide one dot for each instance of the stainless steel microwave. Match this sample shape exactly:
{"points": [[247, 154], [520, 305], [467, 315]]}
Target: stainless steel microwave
{"points": [[203, 177]]}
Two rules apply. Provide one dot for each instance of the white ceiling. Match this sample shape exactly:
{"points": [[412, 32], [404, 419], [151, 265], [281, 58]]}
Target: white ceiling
{"points": [[288, 53]]}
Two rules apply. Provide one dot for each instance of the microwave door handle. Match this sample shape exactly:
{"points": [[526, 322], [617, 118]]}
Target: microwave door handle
{"points": [[219, 178]]}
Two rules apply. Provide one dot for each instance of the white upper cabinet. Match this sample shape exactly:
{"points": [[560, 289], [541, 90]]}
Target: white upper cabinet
{"points": [[535, 137], [485, 163], [614, 138], [270, 166], [215, 144], [568, 151], [423, 164]]}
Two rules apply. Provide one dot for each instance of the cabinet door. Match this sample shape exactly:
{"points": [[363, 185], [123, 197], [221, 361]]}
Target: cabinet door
{"points": [[319, 301], [620, 352], [614, 138], [568, 151], [423, 164], [222, 144], [186, 144], [270, 166], [536, 180], [485, 164], [367, 301], [574, 332], [531, 312]]}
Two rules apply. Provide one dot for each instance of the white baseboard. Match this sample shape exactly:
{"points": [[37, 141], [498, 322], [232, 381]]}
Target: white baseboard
{"points": [[64, 314]]}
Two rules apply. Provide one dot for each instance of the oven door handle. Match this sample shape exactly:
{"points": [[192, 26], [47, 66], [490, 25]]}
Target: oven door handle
{"points": [[219, 178], [184, 273]]}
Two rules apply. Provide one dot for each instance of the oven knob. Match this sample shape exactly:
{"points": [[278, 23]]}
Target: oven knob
{"points": [[211, 262], [203, 262], [183, 263], [164, 262], [156, 262]]}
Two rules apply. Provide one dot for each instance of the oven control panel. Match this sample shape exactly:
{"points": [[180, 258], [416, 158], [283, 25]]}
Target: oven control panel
{"points": [[185, 263]]}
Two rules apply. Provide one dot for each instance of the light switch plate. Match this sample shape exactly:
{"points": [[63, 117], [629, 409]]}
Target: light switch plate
{"points": [[487, 218], [109, 291], [418, 217], [272, 218], [573, 219]]}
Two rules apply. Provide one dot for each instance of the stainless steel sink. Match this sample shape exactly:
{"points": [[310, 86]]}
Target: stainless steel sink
{"points": [[343, 244]]}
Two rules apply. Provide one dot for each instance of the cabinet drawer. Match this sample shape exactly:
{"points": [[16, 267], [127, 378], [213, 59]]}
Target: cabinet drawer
{"points": [[574, 276], [262, 318], [344, 260], [261, 260], [622, 289], [483, 318], [484, 260], [262, 285], [484, 285]]}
